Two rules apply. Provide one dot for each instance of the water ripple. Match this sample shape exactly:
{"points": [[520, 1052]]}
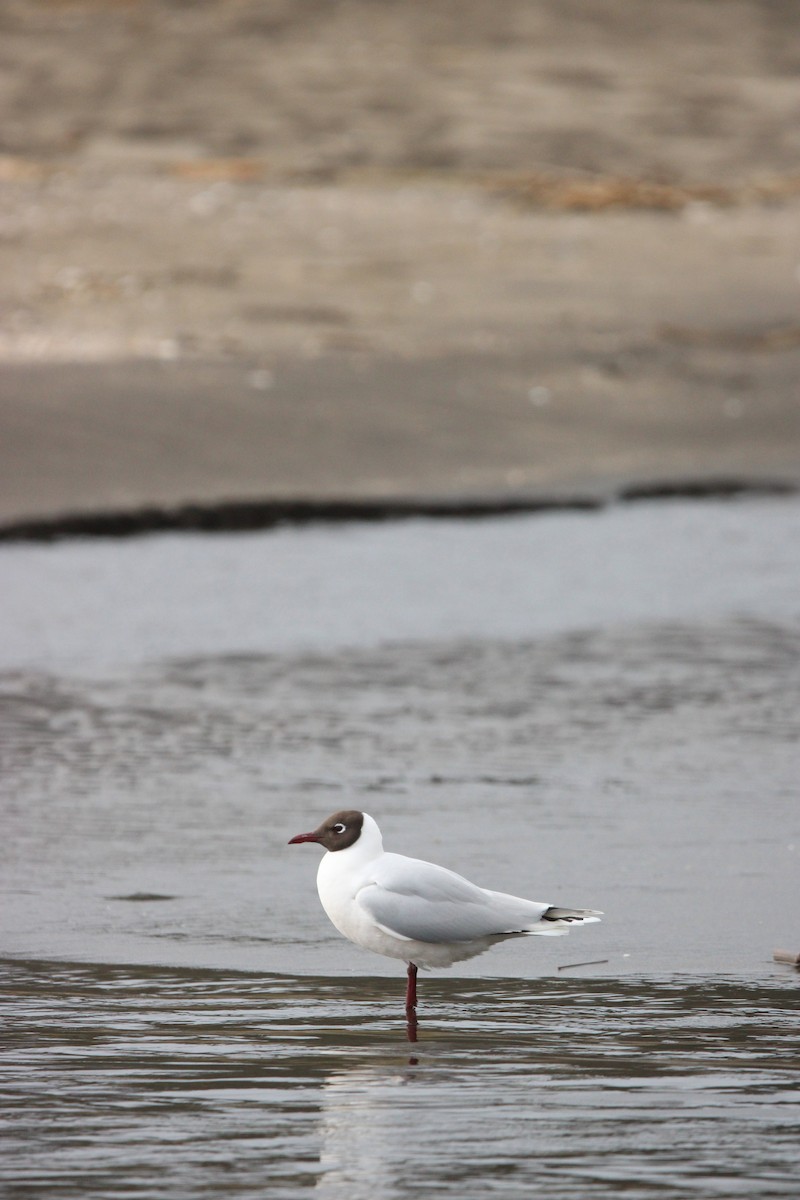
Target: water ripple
{"points": [[138, 1081]]}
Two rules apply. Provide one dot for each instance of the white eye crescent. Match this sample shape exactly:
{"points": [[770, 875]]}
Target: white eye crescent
{"points": [[339, 827]]}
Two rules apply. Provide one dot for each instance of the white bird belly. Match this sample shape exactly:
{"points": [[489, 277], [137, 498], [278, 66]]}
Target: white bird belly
{"points": [[338, 897]]}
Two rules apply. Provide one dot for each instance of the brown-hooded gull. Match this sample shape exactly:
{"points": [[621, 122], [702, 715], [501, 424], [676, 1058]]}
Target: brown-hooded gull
{"points": [[416, 911]]}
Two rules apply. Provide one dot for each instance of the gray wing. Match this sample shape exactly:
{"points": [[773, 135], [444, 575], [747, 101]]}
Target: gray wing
{"points": [[425, 903]]}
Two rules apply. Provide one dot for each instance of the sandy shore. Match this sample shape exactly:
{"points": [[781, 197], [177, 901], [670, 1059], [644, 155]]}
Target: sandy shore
{"points": [[255, 251]]}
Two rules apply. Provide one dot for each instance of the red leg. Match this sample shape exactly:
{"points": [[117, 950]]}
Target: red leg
{"points": [[411, 989]]}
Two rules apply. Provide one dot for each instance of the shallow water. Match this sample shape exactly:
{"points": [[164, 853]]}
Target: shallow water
{"points": [[590, 709], [93, 606], [153, 1082]]}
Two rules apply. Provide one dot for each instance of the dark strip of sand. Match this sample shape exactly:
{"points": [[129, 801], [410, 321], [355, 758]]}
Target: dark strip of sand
{"points": [[124, 447]]}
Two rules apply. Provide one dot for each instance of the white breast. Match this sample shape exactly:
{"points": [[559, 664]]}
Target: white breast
{"points": [[339, 880]]}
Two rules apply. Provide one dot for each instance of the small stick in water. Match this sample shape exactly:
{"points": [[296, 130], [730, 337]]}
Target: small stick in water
{"points": [[595, 962]]}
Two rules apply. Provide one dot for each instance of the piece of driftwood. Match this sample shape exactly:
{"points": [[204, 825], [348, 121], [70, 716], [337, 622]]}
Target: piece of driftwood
{"points": [[595, 962], [786, 956]]}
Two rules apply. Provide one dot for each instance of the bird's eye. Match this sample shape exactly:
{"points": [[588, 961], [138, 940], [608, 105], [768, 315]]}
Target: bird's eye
{"points": [[339, 827]]}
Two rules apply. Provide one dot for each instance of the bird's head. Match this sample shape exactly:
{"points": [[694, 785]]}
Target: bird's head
{"points": [[338, 832]]}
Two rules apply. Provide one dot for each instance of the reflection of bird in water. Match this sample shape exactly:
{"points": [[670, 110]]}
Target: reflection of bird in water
{"points": [[365, 1132], [414, 910]]}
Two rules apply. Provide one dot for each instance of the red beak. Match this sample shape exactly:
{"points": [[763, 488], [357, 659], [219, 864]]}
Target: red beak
{"points": [[303, 837]]}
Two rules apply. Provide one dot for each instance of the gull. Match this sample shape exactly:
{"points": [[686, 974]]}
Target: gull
{"points": [[424, 914]]}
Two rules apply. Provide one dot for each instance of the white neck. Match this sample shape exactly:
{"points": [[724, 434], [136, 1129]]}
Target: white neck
{"points": [[368, 846]]}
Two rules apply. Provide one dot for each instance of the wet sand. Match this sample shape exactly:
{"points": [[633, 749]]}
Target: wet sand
{"points": [[264, 251]]}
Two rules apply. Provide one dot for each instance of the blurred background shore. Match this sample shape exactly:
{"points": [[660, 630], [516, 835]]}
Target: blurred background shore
{"points": [[271, 249]]}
